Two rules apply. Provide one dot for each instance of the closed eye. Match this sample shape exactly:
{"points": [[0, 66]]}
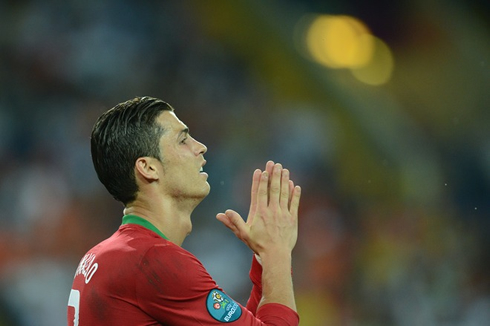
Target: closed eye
{"points": [[184, 133]]}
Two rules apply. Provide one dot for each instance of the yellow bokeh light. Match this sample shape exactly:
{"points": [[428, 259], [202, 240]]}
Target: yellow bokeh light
{"points": [[339, 41], [380, 68]]}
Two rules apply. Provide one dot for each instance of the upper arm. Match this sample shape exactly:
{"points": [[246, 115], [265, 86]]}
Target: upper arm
{"points": [[174, 288]]}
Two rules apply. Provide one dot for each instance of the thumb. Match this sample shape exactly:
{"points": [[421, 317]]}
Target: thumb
{"points": [[233, 221], [235, 218], [223, 218]]}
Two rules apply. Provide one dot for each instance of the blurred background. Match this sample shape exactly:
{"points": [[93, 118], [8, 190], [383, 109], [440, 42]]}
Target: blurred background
{"points": [[379, 108]]}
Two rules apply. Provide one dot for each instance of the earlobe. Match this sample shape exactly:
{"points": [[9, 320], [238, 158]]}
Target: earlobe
{"points": [[145, 168]]}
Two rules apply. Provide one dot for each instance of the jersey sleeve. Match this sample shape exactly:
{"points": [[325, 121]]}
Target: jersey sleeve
{"points": [[174, 288], [256, 278]]}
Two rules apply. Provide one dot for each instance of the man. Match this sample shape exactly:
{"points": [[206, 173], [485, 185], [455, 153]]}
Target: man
{"points": [[146, 158]]}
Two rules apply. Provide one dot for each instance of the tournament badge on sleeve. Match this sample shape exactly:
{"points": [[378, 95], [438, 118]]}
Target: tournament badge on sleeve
{"points": [[221, 307]]}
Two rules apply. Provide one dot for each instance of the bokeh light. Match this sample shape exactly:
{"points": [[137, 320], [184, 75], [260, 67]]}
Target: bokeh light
{"points": [[339, 41], [345, 42], [379, 69]]}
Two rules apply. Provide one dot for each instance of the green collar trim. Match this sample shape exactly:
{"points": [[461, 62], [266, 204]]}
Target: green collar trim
{"points": [[133, 219]]}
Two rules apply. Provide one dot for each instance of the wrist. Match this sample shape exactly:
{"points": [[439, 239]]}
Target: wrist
{"points": [[275, 256], [277, 283]]}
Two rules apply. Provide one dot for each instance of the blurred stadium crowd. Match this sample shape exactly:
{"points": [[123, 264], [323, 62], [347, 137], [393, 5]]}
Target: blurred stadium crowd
{"points": [[366, 255]]}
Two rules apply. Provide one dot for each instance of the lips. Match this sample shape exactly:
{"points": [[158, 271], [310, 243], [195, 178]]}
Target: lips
{"points": [[201, 170]]}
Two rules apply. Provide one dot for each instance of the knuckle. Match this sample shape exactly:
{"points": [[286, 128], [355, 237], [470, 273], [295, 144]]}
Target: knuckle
{"points": [[275, 188]]}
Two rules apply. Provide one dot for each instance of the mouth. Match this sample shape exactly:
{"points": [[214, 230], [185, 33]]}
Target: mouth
{"points": [[201, 170]]}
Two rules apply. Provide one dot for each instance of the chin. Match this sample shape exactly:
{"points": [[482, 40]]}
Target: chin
{"points": [[199, 196], [206, 190]]}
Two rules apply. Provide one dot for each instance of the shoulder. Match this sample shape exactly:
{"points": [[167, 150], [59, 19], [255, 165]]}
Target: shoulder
{"points": [[168, 268], [169, 256], [125, 250]]}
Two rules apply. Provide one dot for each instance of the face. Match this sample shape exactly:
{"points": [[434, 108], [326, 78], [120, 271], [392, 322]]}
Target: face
{"points": [[183, 160]]}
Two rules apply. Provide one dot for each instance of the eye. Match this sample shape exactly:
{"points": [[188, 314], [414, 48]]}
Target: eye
{"points": [[183, 140]]}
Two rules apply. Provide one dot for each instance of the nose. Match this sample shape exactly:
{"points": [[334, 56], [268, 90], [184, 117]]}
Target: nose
{"points": [[200, 148]]}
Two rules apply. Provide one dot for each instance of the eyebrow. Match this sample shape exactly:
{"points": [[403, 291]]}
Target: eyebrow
{"points": [[183, 131]]}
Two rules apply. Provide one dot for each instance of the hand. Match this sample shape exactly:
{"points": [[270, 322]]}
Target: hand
{"points": [[272, 222]]}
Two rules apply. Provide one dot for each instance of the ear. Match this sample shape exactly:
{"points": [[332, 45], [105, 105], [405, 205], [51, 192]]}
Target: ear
{"points": [[146, 168]]}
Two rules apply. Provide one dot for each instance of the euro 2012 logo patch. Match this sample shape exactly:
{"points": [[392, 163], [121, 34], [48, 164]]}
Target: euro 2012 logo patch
{"points": [[221, 307]]}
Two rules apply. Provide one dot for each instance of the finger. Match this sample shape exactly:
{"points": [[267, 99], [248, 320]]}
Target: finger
{"points": [[242, 229], [254, 193], [275, 188], [262, 191], [284, 197], [295, 201], [226, 221], [291, 190], [269, 167]]}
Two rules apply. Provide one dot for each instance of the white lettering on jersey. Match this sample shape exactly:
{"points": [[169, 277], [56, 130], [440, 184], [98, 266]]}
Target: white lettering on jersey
{"points": [[87, 267]]}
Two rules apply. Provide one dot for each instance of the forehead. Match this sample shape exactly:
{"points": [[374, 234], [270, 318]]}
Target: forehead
{"points": [[170, 122]]}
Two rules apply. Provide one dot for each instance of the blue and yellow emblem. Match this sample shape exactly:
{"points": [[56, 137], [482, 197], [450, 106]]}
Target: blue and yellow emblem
{"points": [[221, 307]]}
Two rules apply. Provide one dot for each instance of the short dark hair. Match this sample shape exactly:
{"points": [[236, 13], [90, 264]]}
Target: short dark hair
{"points": [[119, 137]]}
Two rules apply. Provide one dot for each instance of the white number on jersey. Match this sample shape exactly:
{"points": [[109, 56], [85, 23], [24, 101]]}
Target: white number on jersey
{"points": [[74, 301]]}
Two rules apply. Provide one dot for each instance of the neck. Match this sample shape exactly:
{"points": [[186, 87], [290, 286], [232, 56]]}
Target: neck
{"points": [[172, 217]]}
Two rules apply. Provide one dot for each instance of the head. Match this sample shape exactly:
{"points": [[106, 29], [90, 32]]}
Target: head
{"points": [[120, 136]]}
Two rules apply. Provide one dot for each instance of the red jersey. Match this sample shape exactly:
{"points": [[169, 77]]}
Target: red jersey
{"points": [[137, 277]]}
